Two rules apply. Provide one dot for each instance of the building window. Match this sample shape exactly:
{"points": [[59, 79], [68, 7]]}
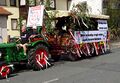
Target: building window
{"points": [[22, 2], [37, 2], [115, 5], [68, 4], [32, 2], [14, 23], [2, 2], [13, 3], [105, 3], [118, 4], [47, 3], [104, 6], [52, 4]]}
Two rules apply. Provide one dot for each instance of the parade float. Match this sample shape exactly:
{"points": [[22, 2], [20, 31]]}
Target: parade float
{"points": [[68, 35]]}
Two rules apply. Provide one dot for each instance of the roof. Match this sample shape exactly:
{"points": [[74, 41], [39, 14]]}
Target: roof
{"points": [[99, 16], [4, 11], [58, 13], [61, 13]]}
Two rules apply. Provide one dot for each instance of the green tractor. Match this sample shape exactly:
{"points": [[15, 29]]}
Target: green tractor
{"points": [[41, 49], [37, 54]]}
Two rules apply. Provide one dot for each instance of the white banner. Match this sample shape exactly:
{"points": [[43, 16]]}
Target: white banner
{"points": [[102, 25], [35, 16], [90, 36]]}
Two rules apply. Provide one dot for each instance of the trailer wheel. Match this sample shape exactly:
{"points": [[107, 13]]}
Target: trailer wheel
{"points": [[38, 57], [4, 71], [101, 49], [73, 53], [72, 57]]}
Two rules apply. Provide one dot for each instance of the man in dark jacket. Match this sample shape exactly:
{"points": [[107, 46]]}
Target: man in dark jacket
{"points": [[24, 39]]}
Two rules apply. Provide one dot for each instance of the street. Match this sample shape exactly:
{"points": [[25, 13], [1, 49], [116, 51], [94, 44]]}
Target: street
{"points": [[99, 69]]}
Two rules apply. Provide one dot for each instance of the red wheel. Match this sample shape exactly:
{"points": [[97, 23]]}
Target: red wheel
{"points": [[74, 51], [102, 49], [38, 57], [41, 56], [4, 71]]}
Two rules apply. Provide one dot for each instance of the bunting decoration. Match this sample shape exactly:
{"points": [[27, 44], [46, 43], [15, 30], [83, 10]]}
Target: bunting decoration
{"points": [[76, 45]]}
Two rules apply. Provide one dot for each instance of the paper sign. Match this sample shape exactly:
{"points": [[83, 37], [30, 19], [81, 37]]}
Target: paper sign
{"points": [[35, 16], [102, 25]]}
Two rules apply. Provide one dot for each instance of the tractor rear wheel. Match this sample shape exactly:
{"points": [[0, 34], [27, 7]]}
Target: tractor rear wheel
{"points": [[38, 57]]}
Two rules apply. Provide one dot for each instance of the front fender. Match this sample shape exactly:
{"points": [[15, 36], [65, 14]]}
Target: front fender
{"points": [[39, 42]]}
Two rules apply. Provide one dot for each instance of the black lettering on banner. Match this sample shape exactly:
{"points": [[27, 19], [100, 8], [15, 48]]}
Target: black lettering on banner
{"points": [[102, 27], [92, 39], [102, 22]]}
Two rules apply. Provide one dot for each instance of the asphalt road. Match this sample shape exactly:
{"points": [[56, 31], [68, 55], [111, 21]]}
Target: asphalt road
{"points": [[100, 69]]}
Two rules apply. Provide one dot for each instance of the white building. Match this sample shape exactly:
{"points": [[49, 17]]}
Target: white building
{"points": [[12, 20], [94, 6]]}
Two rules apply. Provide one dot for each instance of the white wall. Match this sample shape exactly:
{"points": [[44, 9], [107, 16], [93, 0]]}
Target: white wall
{"points": [[15, 15], [94, 6], [61, 4], [3, 29]]}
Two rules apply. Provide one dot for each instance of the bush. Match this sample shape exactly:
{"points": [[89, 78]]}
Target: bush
{"points": [[115, 34]]}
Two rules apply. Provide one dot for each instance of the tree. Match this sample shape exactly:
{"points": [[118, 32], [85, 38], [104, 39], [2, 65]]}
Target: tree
{"points": [[113, 9], [80, 13]]}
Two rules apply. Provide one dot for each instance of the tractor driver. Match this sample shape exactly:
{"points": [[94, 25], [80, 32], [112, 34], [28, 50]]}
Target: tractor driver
{"points": [[24, 38]]}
